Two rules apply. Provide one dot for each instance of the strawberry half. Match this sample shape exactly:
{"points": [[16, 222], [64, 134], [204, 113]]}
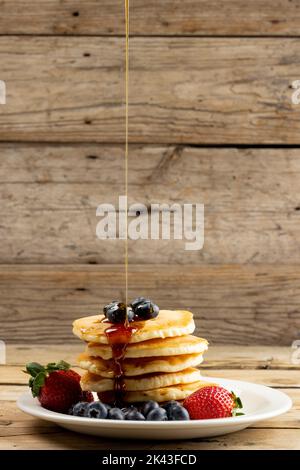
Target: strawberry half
{"points": [[56, 386], [212, 402]]}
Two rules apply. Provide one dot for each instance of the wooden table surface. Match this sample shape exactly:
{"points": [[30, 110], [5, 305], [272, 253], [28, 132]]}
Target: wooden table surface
{"points": [[271, 366]]}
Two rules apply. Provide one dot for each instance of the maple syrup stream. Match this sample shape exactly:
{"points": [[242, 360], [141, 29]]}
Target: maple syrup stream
{"points": [[119, 335]]}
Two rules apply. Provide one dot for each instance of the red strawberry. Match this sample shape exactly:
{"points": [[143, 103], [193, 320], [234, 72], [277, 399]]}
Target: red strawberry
{"points": [[56, 386], [212, 402], [59, 392], [71, 373]]}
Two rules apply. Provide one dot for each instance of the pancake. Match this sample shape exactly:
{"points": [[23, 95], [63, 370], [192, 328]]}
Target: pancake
{"points": [[95, 383], [154, 347], [174, 392], [167, 324], [139, 366]]}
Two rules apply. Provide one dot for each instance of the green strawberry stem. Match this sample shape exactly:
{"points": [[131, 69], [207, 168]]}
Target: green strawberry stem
{"points": [[237, 405], [38, 374]]}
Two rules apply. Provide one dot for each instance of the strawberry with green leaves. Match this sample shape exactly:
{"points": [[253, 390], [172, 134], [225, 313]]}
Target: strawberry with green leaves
{"points": [[213, 402], [56, 386]]}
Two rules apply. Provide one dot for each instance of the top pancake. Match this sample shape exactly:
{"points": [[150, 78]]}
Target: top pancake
{"points": [[168, 323]]}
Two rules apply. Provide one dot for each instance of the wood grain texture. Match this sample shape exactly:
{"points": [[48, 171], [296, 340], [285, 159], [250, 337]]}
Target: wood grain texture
{"points": [[232, 304], [170, 17], [49, 195], [250, 439], [182, 90]]}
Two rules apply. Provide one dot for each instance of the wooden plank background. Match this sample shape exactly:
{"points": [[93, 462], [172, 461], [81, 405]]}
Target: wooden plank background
{"points": [[148, 18], [232, 304], [211, 120], [182, 90]]}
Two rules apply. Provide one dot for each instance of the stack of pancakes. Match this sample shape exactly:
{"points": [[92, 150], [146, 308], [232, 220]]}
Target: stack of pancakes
{"points": [[159, 362]]}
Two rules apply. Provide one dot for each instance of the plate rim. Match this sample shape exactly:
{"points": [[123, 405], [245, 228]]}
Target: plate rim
{"points": [[33, 408]]}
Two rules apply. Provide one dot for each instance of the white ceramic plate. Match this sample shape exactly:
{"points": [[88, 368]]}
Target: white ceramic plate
{"points": [[259, 402]]}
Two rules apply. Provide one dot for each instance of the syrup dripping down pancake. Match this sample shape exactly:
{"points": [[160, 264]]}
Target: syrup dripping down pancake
{"points": [[95, 383], [175, 346], [167, 324], [139, 366]]}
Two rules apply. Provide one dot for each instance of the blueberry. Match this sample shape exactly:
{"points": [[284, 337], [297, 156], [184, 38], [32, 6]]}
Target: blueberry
{"points": [[115, 413], [116, 312], [170, 404], [137, 302], [146, 310], [134, 415], [108, 306], [157, 414], [97, 410], [130, 408], [130, 314], [178, 413], [149, 406], [79, 409]]}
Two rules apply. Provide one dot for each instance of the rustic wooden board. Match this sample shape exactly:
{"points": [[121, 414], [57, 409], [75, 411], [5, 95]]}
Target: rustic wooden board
{"points": [[49, 195], [71, 89], [249, 439], [232, 304], [170, 17]]}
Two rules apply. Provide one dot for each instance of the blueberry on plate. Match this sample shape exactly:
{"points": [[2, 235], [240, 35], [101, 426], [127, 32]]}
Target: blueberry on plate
{"points": [[146, 310], [115, 312], [96, 410], [149, 406], [134, 415], [79, 409], [170, 404], [115, 413], [157, 414], [178, 413]]}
